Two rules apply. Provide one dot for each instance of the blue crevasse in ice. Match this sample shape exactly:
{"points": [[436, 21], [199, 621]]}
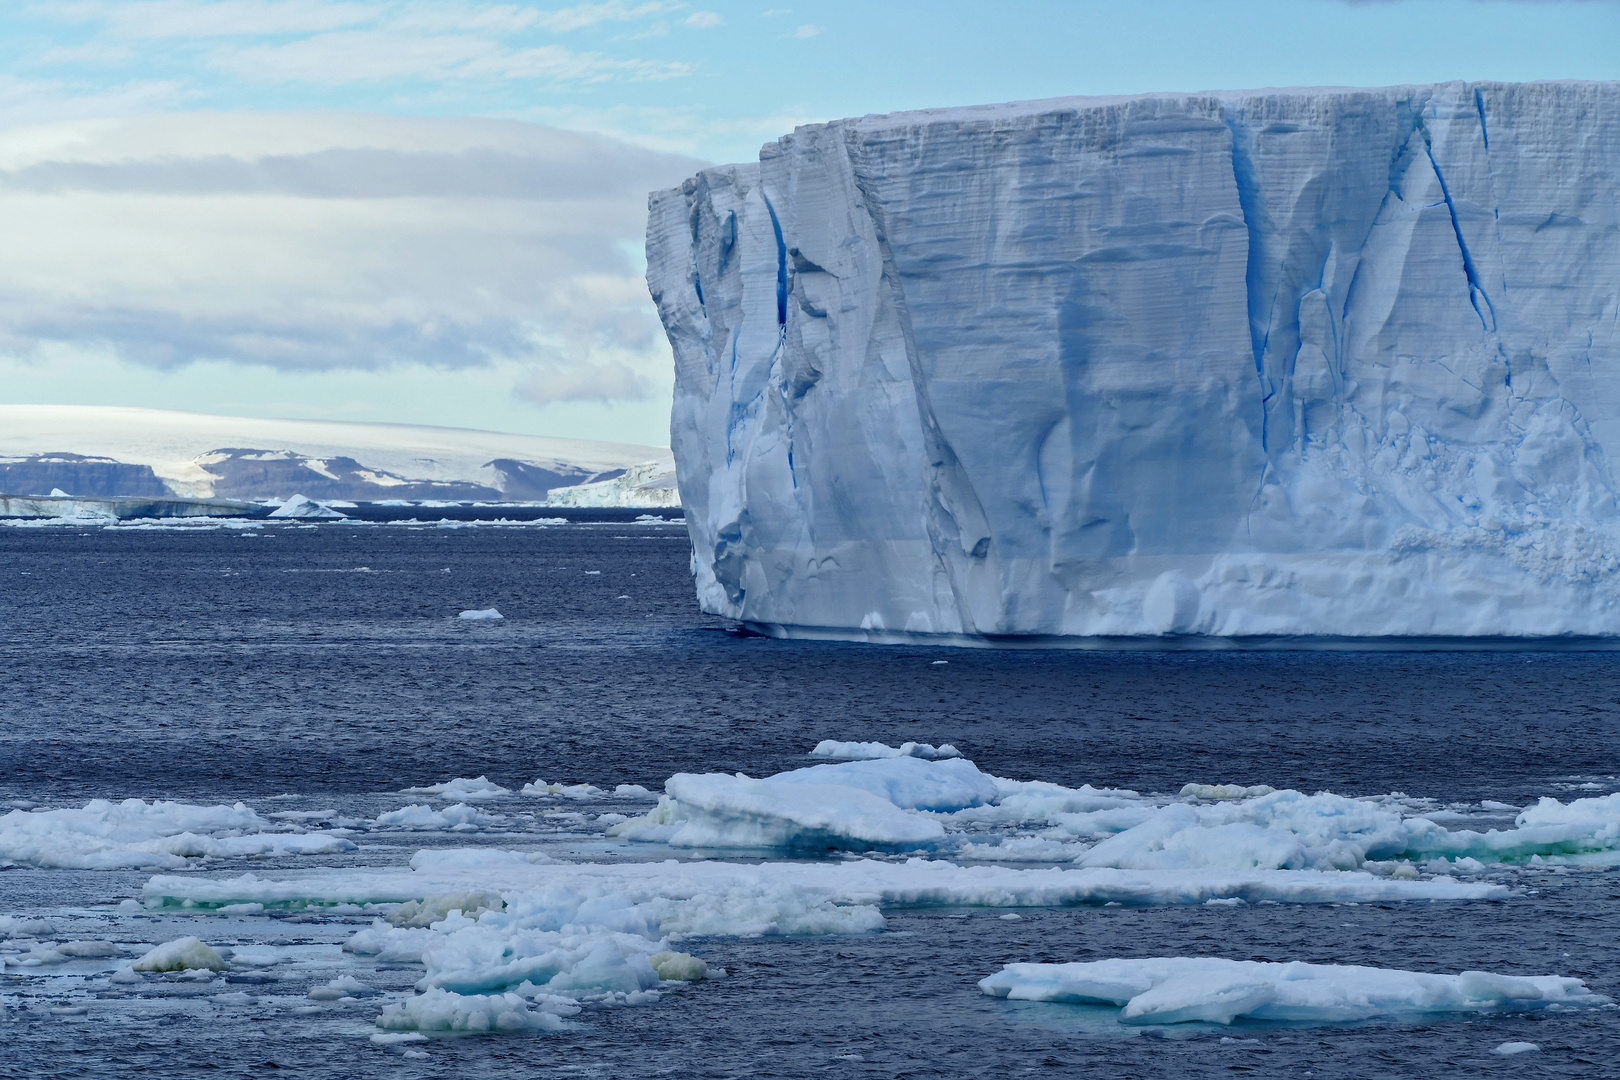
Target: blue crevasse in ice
{"points": [[1299, 362]]}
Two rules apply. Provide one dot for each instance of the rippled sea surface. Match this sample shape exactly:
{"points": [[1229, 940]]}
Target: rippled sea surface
{"points": [[299, 667]]}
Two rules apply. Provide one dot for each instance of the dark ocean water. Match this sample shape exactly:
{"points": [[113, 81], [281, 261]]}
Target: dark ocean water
{"points": [[215, 666]]}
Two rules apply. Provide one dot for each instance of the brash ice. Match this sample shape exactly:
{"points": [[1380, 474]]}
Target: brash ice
{"points": [[1336, 363]]}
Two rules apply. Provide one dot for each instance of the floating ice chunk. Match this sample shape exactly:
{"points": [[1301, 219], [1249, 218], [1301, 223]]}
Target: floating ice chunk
{"points": [[912, 883], [141, 835], [255, 958], [482, 613], [84, 949], [395, 1038], [429, 910], [300, 506], [1171, 990], [441, 1010], [125, 976], [1507, 1049], [182, 954], [1287, 829], [341, 987], [459, 817], [907, 782], [859, 751], [567, 791], [719, 811], [12, 926], [633, 791], [1225, 791], [678, 966], [462, 788]]}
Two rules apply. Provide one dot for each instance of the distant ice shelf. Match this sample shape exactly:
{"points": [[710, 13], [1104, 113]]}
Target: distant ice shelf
{"points": [[1330, 365]]}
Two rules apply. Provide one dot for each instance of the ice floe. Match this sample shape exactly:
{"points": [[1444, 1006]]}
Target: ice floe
{"points": [[719, 811], [182, 954], [457, 818], [951, 807], [1172, 990], [480, 613], [463, 788], [856, 751], [135, 834]]}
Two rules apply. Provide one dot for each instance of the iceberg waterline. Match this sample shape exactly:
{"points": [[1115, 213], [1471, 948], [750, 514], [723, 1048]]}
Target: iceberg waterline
{"points": [[1329, 363], [1172, 990]]}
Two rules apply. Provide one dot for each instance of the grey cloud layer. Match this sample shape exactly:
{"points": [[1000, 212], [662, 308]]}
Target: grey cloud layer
{"points": [[335, 241]]}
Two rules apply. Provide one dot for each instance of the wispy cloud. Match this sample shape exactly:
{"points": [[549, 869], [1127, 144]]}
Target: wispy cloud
{"points": [[320, 242], [808, 30], [326, 43]]}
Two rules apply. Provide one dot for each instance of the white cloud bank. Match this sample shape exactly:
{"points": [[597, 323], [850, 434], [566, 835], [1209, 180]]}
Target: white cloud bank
{"points": [[335, 241]]}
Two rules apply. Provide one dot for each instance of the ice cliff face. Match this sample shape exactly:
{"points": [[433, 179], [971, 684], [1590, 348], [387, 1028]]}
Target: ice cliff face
{"points": [[1305, 362]]}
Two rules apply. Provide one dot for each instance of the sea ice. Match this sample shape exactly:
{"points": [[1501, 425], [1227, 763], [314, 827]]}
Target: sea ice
{"points": [[1173, 990], [906, 781], [481, 787], [158, 835], [182, 954], [719, 811], [856, 751], [459, 817], [1508, 1049], [480, 613]]}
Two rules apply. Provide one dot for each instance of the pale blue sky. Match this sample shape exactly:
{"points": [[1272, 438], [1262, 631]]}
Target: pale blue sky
{"points": [[278, 208]]}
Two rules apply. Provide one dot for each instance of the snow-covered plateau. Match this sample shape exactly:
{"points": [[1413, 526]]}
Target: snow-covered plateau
{"points": [[103, 451], [1197, 368]]}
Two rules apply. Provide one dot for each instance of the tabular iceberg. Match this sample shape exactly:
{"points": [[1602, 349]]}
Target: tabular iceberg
{"points": [[1335, 363]]}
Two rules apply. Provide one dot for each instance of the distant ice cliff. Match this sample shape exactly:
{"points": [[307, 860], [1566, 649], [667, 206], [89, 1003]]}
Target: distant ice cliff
{"points": [[1304, 362]]}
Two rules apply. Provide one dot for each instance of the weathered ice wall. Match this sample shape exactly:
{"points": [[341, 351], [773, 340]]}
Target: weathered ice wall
{"points": [[1337, 363]]}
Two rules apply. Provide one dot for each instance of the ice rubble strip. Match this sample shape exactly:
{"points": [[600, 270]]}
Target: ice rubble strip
{"points": [[905, 803], [832, 748], [1326, 362], [840, 886], [1172, 990], [135, 834]]}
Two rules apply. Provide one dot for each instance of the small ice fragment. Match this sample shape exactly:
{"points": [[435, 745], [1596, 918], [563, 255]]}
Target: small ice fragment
{"points": [[392, 1038], [1225, 791], [87, 948], [1012, 916], [182, 954], [633, 791], [340, 987], [1509, 1048], [937, 663], [125, 976], [70, 1010], [481, 787], [870, 751], [678, 967], [481, 613]]}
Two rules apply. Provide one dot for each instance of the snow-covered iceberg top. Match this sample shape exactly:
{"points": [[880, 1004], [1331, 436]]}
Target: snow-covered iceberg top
{"points": [[1327, 363], [1173, 990]]}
